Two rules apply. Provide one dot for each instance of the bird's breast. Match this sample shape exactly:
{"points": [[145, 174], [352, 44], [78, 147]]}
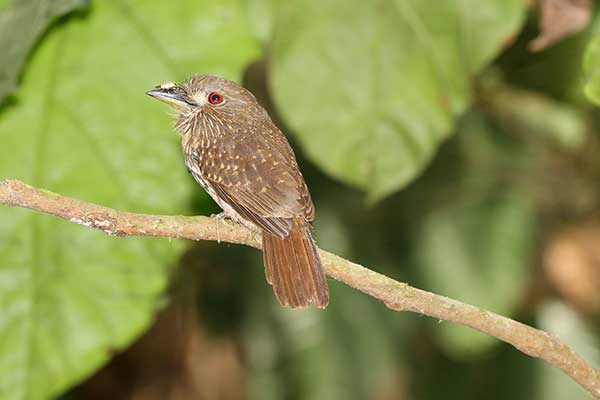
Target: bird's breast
{"points": [[200, 160]]}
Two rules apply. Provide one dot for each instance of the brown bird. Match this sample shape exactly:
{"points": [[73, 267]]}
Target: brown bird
{"points": [[238, 155]]}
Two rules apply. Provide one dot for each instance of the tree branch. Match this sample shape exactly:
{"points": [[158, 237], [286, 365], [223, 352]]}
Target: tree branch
{"points": [[395, 295]]}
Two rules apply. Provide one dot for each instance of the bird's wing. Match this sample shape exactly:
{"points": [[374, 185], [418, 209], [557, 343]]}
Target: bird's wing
{"points": [[257, 175]]}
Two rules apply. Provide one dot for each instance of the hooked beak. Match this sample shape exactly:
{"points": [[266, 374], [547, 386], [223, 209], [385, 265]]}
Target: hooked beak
{"points": [[170, 94]]}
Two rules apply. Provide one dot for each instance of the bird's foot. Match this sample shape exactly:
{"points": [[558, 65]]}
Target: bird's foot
{"points": [[218, 218]]}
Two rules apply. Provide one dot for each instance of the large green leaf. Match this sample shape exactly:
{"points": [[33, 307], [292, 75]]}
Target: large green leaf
{"points": [[82, 126], [21, 25], [372, 88]]}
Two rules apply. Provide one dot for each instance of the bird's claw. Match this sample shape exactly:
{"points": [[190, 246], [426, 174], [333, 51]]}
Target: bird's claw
{"points": [[218, 218]]}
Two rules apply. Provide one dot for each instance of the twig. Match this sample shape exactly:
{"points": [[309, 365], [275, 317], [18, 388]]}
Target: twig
{"points": [[395, 295]]}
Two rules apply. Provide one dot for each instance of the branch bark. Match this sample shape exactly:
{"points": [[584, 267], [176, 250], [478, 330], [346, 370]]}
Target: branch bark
{"points": [[395, 295]]}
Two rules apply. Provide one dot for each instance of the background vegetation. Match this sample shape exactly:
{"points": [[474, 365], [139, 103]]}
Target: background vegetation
{"points": [[440, 149]]}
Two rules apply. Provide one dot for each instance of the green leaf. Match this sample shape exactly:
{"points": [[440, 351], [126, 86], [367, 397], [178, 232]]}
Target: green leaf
{"points": [[21, 26], [372, 88], [591, 67], [82, 126]]}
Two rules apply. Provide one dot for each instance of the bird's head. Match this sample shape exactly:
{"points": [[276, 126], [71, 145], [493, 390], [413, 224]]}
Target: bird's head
{"points": [[205, 97]]}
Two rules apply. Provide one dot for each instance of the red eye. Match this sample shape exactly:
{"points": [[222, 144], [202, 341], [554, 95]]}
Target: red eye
{"points": [[215, 98]]}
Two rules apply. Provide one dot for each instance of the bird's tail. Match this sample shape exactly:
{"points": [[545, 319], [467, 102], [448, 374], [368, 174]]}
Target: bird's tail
{"points": [[294, 269]]}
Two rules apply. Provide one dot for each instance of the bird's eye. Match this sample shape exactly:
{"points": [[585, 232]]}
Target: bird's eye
{"points": [[215, 98]]}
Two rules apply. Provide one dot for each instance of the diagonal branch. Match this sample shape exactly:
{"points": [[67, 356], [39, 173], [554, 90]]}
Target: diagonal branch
{"points": [[395, 295]]}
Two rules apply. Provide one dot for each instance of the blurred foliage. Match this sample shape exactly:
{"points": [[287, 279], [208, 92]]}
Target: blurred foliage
{"points": [[81, 126], [27, 20], [558, 318], [495, 157], [591, 67], [384, 81], [486, 236]]}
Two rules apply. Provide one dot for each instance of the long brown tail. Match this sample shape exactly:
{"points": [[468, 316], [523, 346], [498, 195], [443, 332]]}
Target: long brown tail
{"points": [[294, 269]]}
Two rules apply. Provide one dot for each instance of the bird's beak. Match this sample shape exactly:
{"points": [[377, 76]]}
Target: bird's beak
{"points": [[170, 94]]}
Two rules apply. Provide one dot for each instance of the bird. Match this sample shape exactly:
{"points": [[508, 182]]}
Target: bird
{"points": [[242, 159]]}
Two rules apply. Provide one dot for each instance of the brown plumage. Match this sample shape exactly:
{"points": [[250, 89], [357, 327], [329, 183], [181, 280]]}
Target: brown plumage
{"points": [[234, 150]]}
